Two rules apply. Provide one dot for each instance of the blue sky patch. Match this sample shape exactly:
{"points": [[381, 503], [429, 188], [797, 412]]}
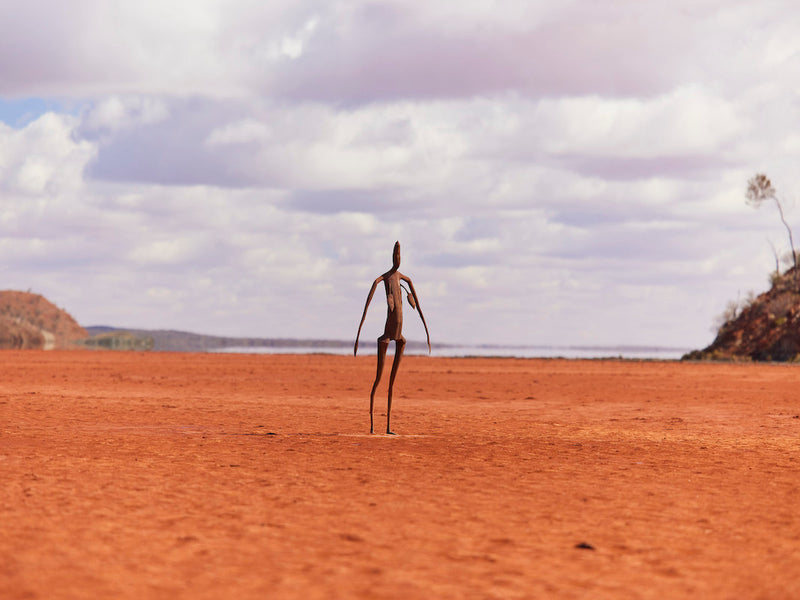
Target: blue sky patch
{"points": [[18, 112]]}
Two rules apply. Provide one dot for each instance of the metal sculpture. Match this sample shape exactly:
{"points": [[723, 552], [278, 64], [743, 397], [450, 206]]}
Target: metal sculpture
{"points": [[393, 330]]}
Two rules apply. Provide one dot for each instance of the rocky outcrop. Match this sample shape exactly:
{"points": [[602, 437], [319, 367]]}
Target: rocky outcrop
{"points": [[767, 328], [30, 321]]}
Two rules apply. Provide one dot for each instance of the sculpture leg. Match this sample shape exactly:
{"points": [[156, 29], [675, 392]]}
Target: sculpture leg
{"points": [[399, 346], [383, 344]]}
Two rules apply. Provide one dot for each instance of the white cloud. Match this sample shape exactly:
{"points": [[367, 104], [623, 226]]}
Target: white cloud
{"points": [[293, 45], [169, 251], [245, 131], [567, 173], [685, 121], [115, 114], [43, 156]]}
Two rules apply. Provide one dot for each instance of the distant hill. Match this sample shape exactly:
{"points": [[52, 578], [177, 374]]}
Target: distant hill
{"points": [[181, 341], [30, 321], [766, 328], [168, 340]]}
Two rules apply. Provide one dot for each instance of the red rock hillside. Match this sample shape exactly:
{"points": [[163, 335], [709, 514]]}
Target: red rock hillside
{"points": [[31, 321], [766, 329]]}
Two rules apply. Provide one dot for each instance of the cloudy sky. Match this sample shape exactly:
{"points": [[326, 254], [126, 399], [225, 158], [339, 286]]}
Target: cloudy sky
{"points": [[557, 172]]}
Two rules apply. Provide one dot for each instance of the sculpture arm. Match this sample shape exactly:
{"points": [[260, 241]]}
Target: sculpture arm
{"points": [[366, 306], [419, 308]]}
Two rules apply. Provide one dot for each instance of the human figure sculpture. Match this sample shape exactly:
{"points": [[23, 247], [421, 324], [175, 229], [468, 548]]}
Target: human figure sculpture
{"points": [[393, 330]]}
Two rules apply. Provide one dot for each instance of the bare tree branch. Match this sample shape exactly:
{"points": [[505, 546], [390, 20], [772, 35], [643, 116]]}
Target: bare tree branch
{"points": [[759, 190]]}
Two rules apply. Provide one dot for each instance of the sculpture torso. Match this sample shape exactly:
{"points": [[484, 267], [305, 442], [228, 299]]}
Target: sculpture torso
{"points": [[394, 308]]}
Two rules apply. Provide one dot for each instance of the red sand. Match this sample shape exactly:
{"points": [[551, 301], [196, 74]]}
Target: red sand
{"points": [[243, 476]]}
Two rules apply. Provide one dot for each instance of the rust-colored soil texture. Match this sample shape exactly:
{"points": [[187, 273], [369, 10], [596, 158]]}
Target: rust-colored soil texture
{"points": [[149, 475]]}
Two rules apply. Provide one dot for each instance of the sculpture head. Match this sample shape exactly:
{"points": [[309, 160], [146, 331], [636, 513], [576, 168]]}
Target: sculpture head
{"points": [[396, 255]]}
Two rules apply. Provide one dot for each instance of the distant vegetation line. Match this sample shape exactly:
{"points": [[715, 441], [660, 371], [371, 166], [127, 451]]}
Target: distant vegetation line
{"points": [[166, 340]]}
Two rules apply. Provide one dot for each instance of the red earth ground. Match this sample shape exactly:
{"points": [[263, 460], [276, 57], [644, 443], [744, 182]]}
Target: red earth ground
{"points": [[149, 475]]}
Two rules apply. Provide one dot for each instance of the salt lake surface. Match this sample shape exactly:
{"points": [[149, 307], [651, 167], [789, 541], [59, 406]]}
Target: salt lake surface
{"points": [[575, 352]]}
